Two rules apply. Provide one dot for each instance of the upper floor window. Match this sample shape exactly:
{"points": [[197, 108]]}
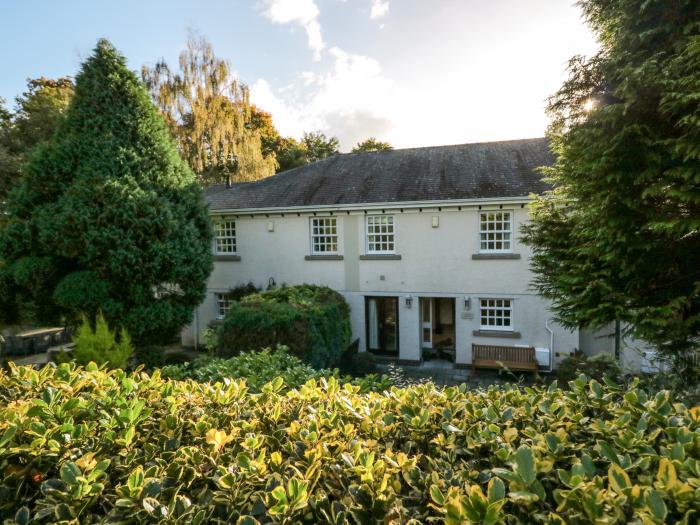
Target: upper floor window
{"points": [[496, 314], [495, 229], [380, 234], [324, 236], [223, 304], [225, 237]]}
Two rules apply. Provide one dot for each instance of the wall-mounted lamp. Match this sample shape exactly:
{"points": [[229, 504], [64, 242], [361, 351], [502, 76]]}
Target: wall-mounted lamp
{"points": [[409, 301], [270, 226], [436, 221], [467, 303]]}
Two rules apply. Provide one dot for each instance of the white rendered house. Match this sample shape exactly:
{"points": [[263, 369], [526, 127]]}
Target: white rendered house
{"points": [[423, 243]]}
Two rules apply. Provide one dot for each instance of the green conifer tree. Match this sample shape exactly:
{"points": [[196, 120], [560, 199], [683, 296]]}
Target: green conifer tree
{"points": [[108, 216], [618, 238]]}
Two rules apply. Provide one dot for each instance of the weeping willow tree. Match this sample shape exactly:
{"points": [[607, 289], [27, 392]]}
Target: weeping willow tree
{"points": [[209, 113]]}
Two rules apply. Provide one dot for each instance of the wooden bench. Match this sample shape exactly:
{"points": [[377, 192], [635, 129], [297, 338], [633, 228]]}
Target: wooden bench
{"points": [[516, 358]]}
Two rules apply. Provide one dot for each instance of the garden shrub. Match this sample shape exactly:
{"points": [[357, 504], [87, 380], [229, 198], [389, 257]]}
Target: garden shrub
{"points": [[243, 290], [261, 367], [210, 338], [257, 368], [100, 345], [597, 367], [312, 321], [88, 446]]}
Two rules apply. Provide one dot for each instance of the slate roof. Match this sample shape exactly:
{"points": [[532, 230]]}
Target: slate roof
{"points": [[465, 171]]}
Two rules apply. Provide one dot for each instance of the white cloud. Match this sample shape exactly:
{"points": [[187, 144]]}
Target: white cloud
{"points": [[353, 100], [302, 12], [379, 9]]}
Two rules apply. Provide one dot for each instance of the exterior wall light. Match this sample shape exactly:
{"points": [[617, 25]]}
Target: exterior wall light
{"points": [[270, 226], [409, 301], [467, 303], [436, 221]]}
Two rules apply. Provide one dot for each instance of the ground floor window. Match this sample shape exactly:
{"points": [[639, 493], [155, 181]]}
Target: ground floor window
{"points": [[496, 314], [382, 324], [223, 304]]}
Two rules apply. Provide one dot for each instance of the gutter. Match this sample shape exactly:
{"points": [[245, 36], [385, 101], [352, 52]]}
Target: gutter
{"points": [[400, 205]]}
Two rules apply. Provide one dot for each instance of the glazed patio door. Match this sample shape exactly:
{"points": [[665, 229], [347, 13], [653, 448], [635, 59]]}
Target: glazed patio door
{"points": [[382, 323]]}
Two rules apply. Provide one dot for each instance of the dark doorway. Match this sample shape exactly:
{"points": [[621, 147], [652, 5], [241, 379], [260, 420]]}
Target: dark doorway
{"points": [[382, 325]]}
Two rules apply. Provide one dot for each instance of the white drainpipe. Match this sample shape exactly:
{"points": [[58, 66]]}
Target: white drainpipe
{"points": [[196, 328], [551, 342]]}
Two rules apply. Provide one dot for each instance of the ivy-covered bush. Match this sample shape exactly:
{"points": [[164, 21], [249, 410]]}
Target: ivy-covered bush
{"points": [[88, 446], [260, 367], [312, 321]]}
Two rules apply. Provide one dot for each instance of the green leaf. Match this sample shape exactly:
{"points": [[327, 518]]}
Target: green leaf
{"points": [[618, 479], [496, 490], [437, 495], [8, 435], [655, 502], [22, 516], [70, 473], [493, 514], [523, 496], [525, 464], [279, 494]]}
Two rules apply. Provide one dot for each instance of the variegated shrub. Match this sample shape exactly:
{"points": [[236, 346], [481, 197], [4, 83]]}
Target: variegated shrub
{"points": [[89, 446]]}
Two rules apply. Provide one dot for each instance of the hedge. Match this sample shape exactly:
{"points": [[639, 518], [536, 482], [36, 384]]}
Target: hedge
{"points": [[260, 367], [88, 446], [312, 321]]}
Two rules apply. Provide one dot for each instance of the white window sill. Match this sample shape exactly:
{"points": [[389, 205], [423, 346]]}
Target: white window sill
{"points": [[323, 257], [380, 257], [505, 334]]}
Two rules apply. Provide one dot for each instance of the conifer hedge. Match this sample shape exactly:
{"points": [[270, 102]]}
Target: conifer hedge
{"points": [[91, 446], [313, 322]]}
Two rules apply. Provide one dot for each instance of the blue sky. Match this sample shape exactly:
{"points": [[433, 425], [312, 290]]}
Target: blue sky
{"points": [[413, 72]]}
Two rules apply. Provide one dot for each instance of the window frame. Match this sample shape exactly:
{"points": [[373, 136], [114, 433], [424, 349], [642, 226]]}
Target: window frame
{"points": [[313, 236], [390, 222], [496, 328], [230, 237], [221, 298], [481, 232]]}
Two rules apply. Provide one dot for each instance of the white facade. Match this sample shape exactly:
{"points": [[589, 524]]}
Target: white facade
{"points": [[437, 253]]}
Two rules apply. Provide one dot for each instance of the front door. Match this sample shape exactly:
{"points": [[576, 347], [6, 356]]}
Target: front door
{"points": [[426, 306]]}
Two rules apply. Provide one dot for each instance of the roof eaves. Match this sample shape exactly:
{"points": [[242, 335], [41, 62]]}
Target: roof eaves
{"points": [[394, 205]]}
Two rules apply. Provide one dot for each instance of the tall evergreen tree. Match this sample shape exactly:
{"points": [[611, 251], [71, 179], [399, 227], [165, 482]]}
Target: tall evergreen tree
{"points": [[209, 114], [618, 238], [108, 216]]}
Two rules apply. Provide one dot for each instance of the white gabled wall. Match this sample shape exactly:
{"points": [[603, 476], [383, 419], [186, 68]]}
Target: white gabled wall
{"points": [[435, 262]]}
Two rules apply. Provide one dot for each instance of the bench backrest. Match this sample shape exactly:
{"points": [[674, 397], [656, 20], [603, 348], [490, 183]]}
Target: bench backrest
{"points": [[512, 354]]}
